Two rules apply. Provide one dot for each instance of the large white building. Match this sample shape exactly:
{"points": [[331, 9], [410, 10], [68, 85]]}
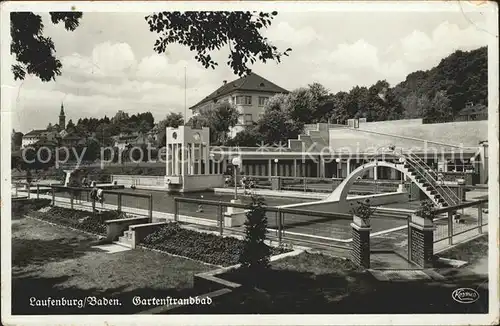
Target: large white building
{"points": [[249, 94]]}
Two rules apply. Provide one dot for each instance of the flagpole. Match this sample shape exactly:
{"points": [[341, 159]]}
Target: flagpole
{"points": [[185, 95]]}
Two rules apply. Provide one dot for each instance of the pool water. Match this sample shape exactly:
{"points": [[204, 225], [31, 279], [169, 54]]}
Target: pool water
{"points": [[165, 202]]}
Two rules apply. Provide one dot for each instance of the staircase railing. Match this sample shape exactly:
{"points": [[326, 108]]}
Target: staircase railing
{"points": [[455, 200], [425, 176]]}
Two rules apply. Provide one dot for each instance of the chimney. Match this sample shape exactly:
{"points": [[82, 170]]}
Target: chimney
{"points": [[225, 82]]}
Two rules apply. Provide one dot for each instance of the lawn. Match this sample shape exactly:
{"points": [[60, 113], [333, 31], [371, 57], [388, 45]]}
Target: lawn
{"points": [[320, 284], [56, 262], [471, 251]]}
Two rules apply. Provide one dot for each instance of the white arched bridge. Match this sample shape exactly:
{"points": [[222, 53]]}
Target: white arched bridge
{"points": [[414, 169]]}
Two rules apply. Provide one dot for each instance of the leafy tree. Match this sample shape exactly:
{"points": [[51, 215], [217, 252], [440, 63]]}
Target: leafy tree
{"points": [[205, 31], [322, 98], [173, 120], [49, 127], [255, 253], [338, 110], [92, 150], [463, 76], [415, 105], [221, 118], [70, 126], [276, 126], [17, 139], [440, 108], [302, 105], [35, 53], [198, 121], [248, 137], [200, 31], [357, 102], [32, 158]]}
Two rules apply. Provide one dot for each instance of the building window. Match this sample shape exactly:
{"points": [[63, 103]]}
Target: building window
{"points": [[248, 119], [241, 119], [244, 100], [263, 100]]}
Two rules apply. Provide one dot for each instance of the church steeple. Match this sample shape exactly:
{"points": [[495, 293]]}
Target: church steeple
{"points": [[62, 118]]}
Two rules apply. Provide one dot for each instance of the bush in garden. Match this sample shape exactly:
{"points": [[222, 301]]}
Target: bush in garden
{"points": [[255, 253], [426, 210]]}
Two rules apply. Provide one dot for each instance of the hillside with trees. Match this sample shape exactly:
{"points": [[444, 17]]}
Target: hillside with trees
{"points": [[462, 77], [436, 95]]}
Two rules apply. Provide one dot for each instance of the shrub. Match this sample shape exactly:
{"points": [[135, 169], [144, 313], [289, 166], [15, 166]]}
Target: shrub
{"points": [[29, 206], [206, 247], [79, 219], [255, 253], [426, 210], [363, 210]]}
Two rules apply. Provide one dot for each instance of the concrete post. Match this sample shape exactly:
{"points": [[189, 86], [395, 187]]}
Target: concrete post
{"points": [[200, 157], [295, 167], [224, 166], [360, 250], [480, 218], [421, 240], [269, 169]]}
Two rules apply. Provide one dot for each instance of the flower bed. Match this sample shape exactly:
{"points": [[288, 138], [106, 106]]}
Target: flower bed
{"points": [[78, 219], [28, 206], [209, 248]]}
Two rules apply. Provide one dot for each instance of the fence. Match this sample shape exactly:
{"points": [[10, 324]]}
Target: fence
{"points": [[451, 227], [312, 184], [284, 224], [79, 198]]}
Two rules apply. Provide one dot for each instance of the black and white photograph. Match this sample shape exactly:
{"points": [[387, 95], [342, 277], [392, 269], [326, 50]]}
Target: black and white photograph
{"points": [[249, 162]]}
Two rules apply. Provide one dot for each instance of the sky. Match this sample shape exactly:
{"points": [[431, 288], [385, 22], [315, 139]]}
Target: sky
{"points": [[109, 63]]}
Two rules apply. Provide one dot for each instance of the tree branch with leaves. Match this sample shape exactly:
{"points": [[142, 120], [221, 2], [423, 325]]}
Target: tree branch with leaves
{"points": [[35, 53], [206, 31]]}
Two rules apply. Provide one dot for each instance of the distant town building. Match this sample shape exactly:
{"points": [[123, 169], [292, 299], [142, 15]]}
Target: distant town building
{"points": [[120, 115], [34, 136], [473, 112], [53, 134], [62, 119], [72, 139], [249, 94]]}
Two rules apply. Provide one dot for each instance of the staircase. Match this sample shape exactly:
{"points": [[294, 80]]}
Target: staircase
{"points": [[429, 181], [315, 137], [125, 240]]}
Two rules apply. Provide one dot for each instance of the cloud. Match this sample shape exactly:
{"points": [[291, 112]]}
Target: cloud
{"points": [[356, 55], [283, 32], [107, 69], [114, 58], [444, 40]]}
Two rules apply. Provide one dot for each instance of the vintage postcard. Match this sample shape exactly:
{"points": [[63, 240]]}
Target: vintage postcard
{"points": [[249, 163]]}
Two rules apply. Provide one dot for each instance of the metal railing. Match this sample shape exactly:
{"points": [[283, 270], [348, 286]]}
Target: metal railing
{"points": [[418, 171], [317, 184], [435, 179], [448, 225], [284, 224], [76, 200]]}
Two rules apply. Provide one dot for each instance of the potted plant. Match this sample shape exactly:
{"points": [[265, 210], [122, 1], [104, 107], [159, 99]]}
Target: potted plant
{"points": [[362, 212], [425, 215]]}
